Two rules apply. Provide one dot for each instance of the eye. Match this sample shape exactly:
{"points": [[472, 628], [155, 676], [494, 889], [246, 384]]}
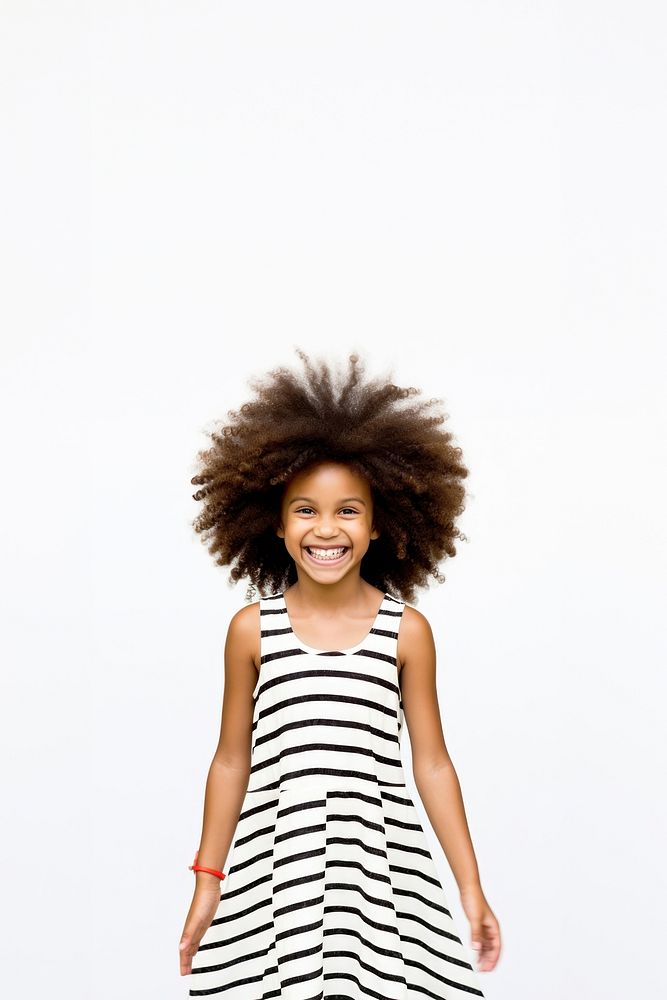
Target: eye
{"points": [[301, 510]]}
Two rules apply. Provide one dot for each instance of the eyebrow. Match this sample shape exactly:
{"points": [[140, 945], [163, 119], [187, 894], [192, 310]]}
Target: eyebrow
{"points": [[344, 500]]}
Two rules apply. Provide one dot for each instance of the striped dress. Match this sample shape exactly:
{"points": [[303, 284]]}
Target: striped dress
{"points": [[331, 891]]}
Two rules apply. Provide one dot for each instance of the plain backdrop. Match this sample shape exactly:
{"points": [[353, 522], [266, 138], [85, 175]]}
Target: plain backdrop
{"points": [[472, 196]]}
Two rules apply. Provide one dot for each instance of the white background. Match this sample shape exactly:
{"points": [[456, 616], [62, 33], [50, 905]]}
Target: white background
{"points": [[472, 195]]}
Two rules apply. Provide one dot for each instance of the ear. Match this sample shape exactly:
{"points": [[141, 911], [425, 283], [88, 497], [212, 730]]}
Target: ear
{"points": [[374, 533], [280, 531]]}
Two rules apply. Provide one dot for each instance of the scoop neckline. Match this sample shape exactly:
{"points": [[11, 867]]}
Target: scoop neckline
{"points": [[345, 652]]}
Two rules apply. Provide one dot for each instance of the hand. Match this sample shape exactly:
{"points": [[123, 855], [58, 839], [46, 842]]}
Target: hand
{"points": [[202, 910], [484, 927]]}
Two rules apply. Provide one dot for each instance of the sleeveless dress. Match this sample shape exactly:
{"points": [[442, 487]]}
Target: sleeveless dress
{"points": [[331, 890]]}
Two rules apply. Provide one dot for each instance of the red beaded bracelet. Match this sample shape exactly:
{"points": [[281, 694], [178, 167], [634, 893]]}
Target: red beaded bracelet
{"points": [[194, 867]]}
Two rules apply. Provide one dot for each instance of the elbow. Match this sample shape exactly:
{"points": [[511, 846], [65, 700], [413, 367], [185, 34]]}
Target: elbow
{"points": [[431, 769], [234, 765]]}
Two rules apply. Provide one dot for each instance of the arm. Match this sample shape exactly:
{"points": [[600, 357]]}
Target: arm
{"points": [[436, 779], [229, 772], [228, 777], [432, 767]]}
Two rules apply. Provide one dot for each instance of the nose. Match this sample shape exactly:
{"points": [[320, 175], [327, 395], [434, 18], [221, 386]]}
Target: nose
{"points": [[324, 530]]}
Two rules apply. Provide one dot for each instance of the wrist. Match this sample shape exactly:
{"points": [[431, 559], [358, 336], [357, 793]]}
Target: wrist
{"points": [[471, 888], [207, 879], [198, 868]]}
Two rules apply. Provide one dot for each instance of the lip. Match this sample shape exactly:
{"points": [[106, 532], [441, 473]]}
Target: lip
{"points": [[329, 562]]}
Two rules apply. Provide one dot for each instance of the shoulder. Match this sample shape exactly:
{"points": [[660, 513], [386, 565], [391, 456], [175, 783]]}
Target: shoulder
{"points": [[415, 637], [243, 631]]}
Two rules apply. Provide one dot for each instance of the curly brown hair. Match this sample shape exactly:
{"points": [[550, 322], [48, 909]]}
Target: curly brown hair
{"points": [[296, 421]]}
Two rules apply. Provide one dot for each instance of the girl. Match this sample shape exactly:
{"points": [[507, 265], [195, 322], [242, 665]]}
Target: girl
{"points": [[337, 503]]}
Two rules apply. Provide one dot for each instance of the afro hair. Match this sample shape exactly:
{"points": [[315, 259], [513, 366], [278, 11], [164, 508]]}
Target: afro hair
{"points": [[297, 420]]}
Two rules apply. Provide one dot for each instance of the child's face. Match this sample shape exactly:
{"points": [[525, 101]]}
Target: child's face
{"points": [[327, 507]]}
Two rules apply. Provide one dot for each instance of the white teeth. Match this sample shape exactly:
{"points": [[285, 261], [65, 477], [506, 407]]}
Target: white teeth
{"points": [[326, 554]]}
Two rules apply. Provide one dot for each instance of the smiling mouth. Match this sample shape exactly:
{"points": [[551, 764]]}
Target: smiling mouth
{"points": [[322, 555]]}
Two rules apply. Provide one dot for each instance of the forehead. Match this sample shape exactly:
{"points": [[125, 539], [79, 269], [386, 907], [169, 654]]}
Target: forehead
{"points": [[329, 477]]}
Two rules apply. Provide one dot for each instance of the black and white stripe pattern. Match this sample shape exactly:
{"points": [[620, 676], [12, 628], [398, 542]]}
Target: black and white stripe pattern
{"points": [[331, 890]]}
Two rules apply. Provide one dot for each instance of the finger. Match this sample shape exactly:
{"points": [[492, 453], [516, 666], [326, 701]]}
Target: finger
{"points": [[490, 945], [476, 937], [187, 949]]}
